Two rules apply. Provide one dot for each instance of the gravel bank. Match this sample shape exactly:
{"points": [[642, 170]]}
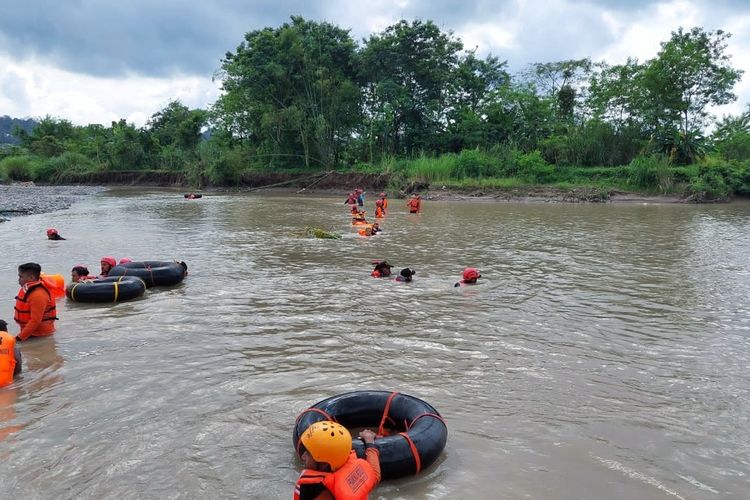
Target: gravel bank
{"points": [[27, 199]]}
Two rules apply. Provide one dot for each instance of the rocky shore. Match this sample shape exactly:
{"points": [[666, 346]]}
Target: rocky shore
{"points": [[26, 198]]}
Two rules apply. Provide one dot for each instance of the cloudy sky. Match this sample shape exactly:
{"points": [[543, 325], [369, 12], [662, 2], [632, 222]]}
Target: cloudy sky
{"points": [[94, 61]]}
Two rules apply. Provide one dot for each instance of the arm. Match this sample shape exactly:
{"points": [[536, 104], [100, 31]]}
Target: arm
{"points": [[19, 359], [372, 455], [37, 304]]}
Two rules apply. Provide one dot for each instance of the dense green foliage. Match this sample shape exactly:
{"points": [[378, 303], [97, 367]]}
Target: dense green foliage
{"points": [[412, 102]]}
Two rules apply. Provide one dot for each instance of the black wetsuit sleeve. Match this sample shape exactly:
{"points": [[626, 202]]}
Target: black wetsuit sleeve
{"points": [[19, 361]]}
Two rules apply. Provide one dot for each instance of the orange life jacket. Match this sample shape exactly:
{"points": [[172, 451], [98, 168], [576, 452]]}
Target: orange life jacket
{"points": [[385, 203], [353, 481], [22, 313], [7, 358], [414, 204]]}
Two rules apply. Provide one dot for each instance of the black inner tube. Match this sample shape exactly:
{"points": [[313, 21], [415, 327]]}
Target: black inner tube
{"points": [[153, 272], [417, 432], [110, 289]]}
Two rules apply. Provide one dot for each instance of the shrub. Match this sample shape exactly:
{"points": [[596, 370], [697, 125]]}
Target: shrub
{"points": [[227, 167], [471, 163], [532, 167], [651, 171], [51, 169], [18, 168]]}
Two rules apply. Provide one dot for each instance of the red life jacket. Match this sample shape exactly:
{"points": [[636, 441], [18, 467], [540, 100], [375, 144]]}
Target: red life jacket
{"points": [[7, 358], [22, 313], [414, 204], [353, 481]]}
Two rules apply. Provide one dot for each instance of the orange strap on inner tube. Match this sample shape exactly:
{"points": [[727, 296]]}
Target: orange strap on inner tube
{"points": [[381, 430], [414, 451], [433, 415], [313, 410]]}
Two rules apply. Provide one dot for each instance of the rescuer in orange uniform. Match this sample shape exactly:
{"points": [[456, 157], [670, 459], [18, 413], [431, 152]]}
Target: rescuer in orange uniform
{"points": [[414, 204], [10, 356], [332, 469], [36, 310]]}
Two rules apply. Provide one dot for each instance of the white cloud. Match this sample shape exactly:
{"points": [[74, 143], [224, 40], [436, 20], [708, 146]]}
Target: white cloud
{"points": [[521, 31], [40, 90]]}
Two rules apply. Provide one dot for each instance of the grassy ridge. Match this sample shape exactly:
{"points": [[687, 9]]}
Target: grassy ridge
{"points": [[711, 179]]}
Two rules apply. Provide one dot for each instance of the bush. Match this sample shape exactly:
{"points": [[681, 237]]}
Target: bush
{"points": [[471, 163], [51, 169], [223, 167], [735, 147], [532, 167], [720, 178], [651, 171], [709, 187], [18, 168]]}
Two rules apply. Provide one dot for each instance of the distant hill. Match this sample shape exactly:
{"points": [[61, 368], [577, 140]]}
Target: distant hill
{"points": [[6, 127]]}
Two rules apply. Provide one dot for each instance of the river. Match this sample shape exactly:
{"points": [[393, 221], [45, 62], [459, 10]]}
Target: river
{"points": [[604, 353]]}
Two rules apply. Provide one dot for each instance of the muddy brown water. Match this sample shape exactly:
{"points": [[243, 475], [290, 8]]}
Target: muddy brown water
{"points": [[604, 355]]}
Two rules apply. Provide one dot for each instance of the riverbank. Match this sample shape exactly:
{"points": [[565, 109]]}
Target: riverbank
{"points": [[28, 198], [332, 182]]}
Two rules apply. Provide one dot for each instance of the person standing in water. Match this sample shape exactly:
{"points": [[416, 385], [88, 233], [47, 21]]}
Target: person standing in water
{"points": [[10, 356], [414, 204], [361, 197], [379, 210], [36, 309]]}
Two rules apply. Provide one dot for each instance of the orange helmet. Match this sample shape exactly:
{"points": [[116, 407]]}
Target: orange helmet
{"points": [[328, 442], [471, 273]]}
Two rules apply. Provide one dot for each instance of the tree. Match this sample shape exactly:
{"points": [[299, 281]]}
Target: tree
{"points": [[732, 136], [563, 81], [290, 91], [691, 72], [177, 125], [406, 72]]}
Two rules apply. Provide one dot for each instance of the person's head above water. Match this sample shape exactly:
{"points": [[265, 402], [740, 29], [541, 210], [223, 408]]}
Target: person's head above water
{"points": [[3, 325], [471, 275], [107, 264], [78, 272], [407, 273], [327, 443]]}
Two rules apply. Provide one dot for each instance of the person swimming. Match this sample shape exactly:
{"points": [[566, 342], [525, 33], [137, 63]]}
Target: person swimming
{"points": [[52, 234], [405, 275], [470, 277], [382, 269]]}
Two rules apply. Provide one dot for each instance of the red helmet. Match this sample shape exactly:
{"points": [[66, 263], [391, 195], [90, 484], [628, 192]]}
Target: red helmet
{"points": [[382, 195], [109, 260], [125, 260], [471, 273], [51, 231]]}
